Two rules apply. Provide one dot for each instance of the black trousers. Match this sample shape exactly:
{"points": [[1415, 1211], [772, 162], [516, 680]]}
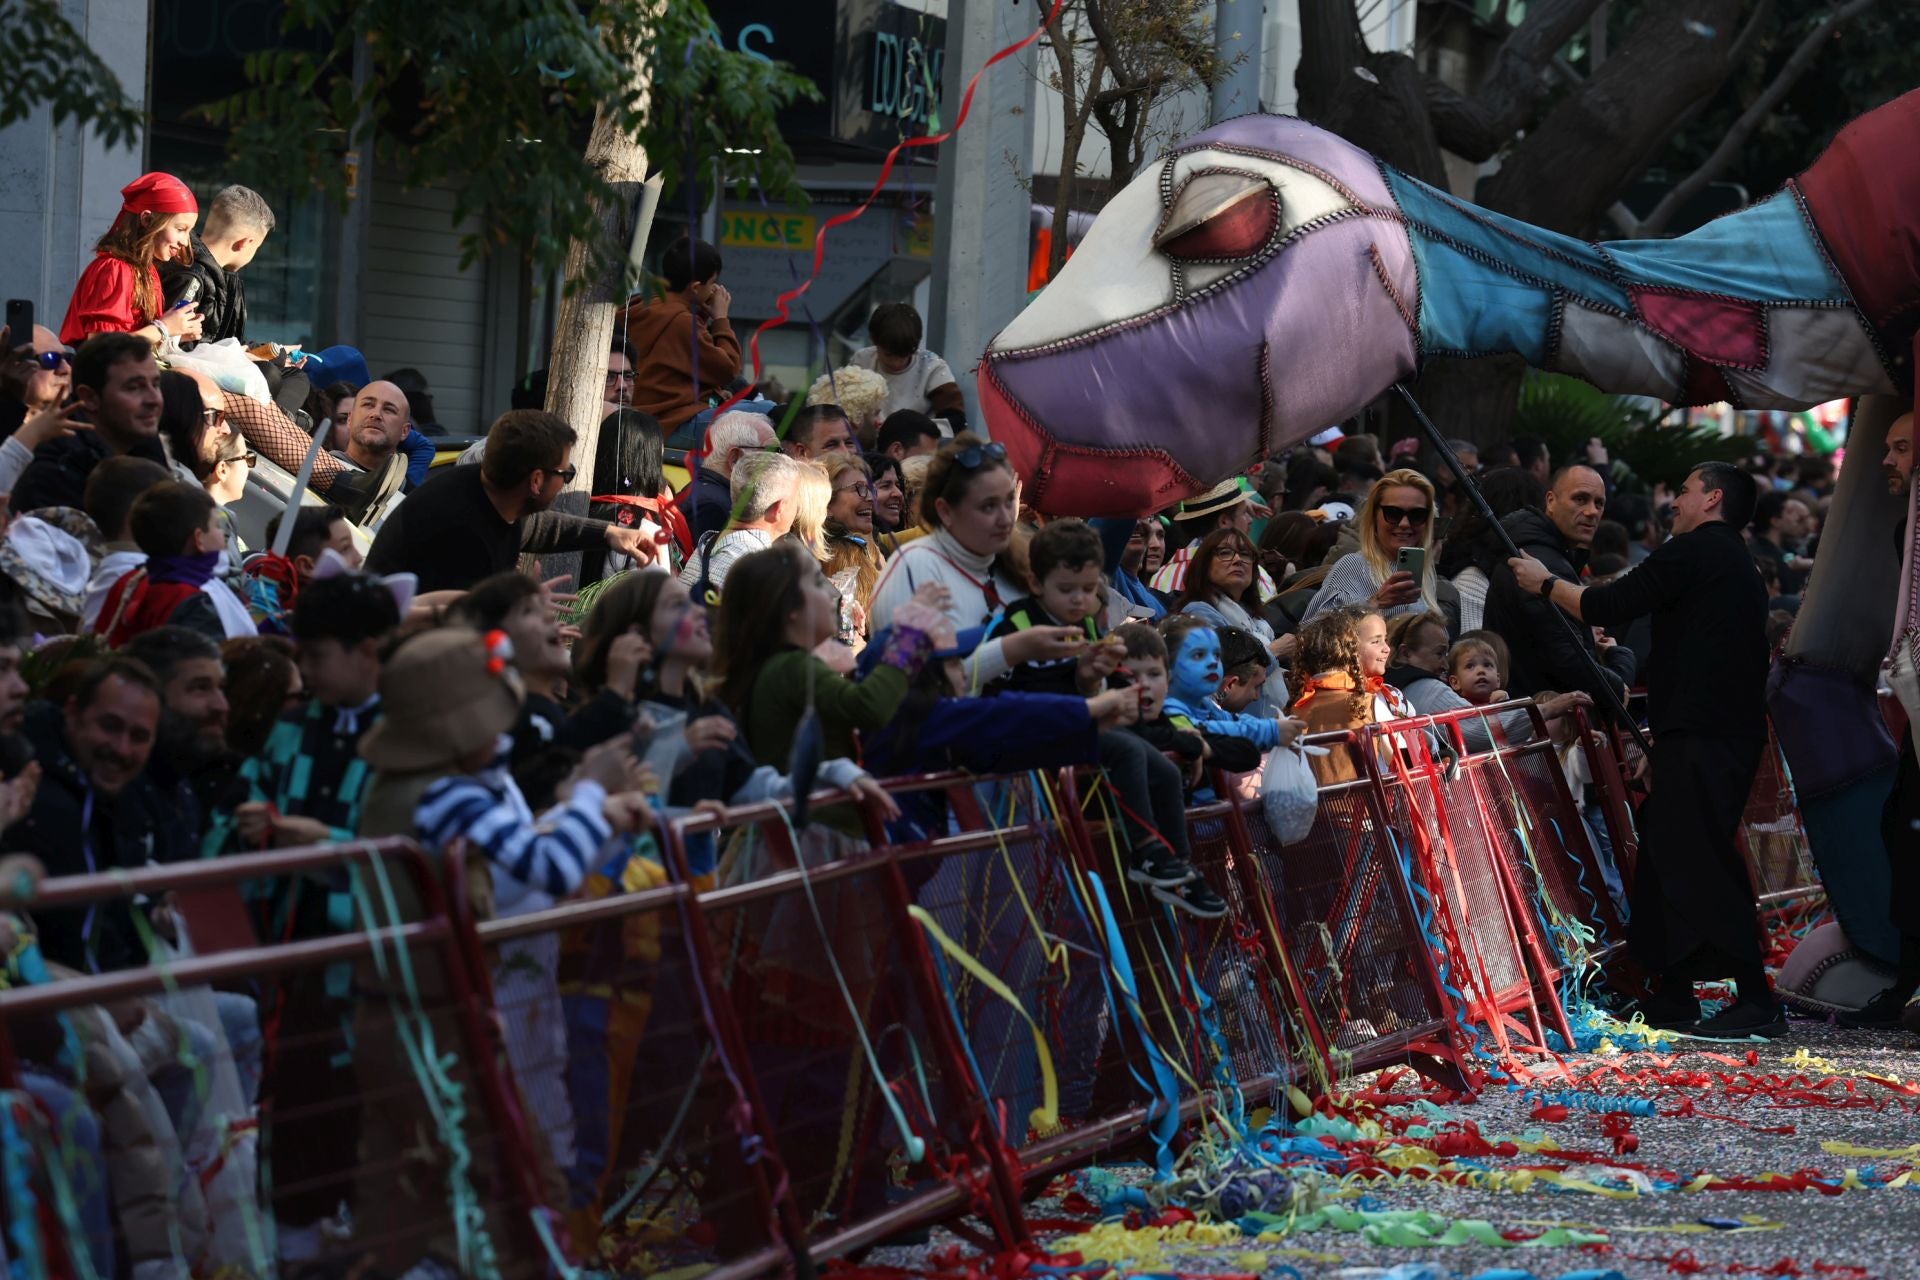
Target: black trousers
{"points": [[1151, 788], [1693, 909]]}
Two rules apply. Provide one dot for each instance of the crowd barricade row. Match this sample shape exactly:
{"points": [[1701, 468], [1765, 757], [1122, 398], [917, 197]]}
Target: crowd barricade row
{"points": [[771, 1045]]}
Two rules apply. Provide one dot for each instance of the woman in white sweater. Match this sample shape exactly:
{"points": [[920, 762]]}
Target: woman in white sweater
{"points": [[970, 500]]}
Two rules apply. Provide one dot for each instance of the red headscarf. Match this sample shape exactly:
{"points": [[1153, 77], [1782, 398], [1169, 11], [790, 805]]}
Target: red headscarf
{"points": [[157, 193]]}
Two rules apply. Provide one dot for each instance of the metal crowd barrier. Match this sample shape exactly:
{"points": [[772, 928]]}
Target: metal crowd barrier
{"points": [[754, 1046], [381, 1113]]}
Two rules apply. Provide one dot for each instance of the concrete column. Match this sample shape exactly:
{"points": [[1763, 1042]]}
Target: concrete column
{"points": [[1239, 38], [59, 185], [980, 207]]}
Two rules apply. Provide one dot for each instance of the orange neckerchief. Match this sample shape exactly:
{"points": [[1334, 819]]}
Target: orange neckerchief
{"points": [[1341, 684]]}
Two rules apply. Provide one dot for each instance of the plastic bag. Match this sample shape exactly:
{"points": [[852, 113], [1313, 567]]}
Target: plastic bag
{"points": [[1289, 793], [227, 363]]}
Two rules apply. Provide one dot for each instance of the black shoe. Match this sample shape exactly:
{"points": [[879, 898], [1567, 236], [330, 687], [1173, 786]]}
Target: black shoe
{"points": [[1743, 1020], [1672, 1008], [1157, 866], [1878, 1014], [1196, 898]]}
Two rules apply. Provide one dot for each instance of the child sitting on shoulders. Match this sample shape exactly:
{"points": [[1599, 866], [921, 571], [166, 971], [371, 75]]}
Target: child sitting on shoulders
{"points": [[1067, 569]]}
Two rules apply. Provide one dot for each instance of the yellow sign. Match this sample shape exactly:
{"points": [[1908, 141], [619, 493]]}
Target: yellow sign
{"points": [[745, 229]]}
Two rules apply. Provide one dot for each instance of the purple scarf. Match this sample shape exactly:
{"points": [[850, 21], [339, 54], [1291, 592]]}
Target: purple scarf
{"points": [[194, 571]]}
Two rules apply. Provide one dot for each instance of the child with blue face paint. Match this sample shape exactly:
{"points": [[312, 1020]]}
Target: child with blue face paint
{"points": [[1194, 684], [1066, 567]]}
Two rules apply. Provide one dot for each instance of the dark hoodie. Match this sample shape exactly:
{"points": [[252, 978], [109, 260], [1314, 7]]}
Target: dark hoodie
{"points": [[223, 299], [1546, 658]]}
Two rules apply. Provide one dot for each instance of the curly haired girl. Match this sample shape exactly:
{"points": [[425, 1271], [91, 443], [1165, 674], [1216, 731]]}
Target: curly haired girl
{"points": [[1344, 654]]}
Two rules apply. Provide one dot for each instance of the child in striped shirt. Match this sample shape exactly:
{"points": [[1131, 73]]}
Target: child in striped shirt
{"points": [[441, 752]]}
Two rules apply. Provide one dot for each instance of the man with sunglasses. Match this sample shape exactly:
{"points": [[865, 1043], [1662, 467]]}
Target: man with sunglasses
{"points": [[1546, 658], [468, 523], [36, 375]]}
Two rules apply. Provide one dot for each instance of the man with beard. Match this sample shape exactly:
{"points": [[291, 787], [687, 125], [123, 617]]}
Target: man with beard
{"points": [[471, 522], [376, 424], [193, 733], [117, 383], [88, 815]]}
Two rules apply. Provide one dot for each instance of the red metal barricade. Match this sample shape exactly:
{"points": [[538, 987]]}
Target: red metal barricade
{"points": [[415, 1149]]}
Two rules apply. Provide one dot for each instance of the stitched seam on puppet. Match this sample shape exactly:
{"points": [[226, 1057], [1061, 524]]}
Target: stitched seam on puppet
{"points": [[1393, 292], [1508, 269], [1476, 214], [1268, 404], [1284, 161], [1072, 341], [1556, 318]]}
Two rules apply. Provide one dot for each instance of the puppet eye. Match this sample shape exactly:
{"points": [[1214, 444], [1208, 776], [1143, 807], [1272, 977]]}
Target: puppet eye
{"points": [[1219, 215]]}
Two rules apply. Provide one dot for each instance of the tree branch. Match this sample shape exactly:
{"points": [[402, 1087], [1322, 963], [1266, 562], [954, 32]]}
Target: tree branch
{"points": [[1477, 126], [1790, 72]]}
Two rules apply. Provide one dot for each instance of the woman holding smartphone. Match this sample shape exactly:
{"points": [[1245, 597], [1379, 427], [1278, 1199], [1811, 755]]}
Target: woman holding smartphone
{"points": [[1392, 572]]}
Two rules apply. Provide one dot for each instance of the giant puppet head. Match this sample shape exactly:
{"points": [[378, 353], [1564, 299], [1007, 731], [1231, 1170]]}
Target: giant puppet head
{"points": [[1267, 279]]}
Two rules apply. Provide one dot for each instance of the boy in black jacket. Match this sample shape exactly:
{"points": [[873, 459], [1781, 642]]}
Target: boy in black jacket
{"points": [[1066, 565]]}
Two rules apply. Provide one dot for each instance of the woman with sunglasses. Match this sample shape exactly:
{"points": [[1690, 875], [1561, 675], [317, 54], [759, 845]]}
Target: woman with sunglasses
{"points": [[1222, 588], [969, 500], [1397, 514], [193, 425]]}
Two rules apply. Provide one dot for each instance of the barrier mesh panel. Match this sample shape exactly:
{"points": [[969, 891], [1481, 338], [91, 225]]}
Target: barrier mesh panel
{"points": [[1346, 924]]}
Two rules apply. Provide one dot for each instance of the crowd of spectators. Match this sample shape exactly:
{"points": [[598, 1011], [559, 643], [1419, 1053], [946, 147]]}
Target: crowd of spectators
{"points": [[850, 588]]}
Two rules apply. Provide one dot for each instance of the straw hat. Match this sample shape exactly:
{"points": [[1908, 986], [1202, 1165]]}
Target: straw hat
{"points": [[1221, 497], [444, 694]]}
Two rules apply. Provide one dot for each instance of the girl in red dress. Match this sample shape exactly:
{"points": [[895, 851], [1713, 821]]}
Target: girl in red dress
{"points": [[120, 291]]}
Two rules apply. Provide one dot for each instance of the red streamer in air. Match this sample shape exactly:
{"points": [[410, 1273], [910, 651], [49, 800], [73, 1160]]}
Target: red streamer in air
{"points": [[781, 303]]}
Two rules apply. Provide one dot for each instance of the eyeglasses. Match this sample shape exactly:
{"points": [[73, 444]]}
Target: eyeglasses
{"points": [[52, 360], [860, 487], [250, 458], [212, 417], [975, 456], [627, 375], [1415, 516], [566, 474], [1227, 555]]}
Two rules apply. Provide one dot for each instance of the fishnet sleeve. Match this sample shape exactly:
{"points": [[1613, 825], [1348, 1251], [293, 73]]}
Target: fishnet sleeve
{"points": [[271, 432]]}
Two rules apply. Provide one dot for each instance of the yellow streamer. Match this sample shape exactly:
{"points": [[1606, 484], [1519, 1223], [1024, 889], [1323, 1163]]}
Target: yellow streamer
{"points": [[1047, 1116]]}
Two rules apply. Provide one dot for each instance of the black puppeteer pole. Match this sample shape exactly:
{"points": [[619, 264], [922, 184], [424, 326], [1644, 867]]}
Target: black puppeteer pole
{"points": [[1618, 707]]}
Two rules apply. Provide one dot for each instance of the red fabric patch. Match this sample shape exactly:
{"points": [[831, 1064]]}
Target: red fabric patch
{"points": [[1723, 331]]}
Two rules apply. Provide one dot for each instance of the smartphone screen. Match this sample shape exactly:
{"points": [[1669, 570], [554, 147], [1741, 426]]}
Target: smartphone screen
{"points": [[20, 321]]}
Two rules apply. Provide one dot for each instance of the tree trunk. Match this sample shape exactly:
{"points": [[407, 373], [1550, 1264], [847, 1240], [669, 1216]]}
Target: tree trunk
{"points": [[583, 328], [1467, 399], [1075, 107], [1567, 171]]}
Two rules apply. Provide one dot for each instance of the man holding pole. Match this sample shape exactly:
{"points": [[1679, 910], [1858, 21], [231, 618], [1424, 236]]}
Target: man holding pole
{"points": [[1693, 912]]}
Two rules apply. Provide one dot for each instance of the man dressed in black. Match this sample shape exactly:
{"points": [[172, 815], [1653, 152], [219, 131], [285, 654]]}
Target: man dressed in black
{"points": [[1693, 914]]}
